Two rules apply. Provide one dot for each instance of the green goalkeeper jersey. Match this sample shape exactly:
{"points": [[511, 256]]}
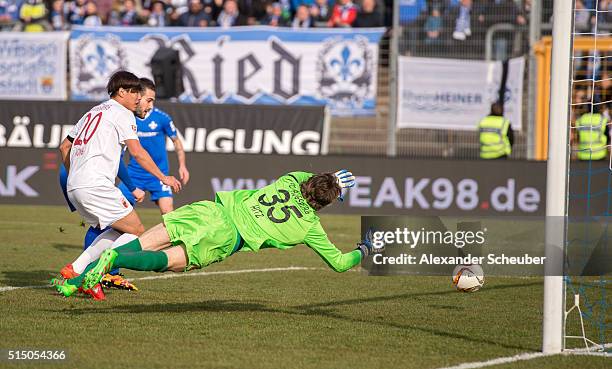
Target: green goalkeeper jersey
{"points": [[278, 216]]}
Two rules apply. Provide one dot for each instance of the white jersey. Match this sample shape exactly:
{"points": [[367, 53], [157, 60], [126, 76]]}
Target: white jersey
{"points": [[96, 148]]}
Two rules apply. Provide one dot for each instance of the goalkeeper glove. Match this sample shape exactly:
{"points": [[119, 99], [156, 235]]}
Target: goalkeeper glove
{"points": [[345, 179], [366, 247]]}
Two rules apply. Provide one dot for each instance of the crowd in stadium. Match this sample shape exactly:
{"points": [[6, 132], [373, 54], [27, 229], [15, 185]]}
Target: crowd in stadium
{"points": [[40, 15], [434, 20]]}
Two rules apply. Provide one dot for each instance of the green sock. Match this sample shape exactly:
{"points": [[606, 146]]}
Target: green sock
{"points": [[152, 261], [132, 246], [78, 280]]}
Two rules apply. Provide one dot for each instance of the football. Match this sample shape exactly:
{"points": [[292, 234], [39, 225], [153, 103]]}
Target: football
{"points": [[468, 278]]}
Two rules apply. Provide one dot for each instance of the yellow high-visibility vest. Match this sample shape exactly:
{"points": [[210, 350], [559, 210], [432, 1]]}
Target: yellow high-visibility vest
{"points": [[592, 137], [494, 142]]}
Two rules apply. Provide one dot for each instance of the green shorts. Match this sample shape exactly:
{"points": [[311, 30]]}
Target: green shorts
{"points": [[205, 230]]}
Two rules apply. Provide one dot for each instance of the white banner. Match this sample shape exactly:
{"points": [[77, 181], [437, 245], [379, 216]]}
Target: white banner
{"points": [[33, 66], [244, 65], [456, 94]]}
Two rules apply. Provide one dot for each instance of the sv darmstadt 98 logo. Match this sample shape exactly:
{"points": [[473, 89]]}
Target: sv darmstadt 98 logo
{"points": [[96, 60], [345, 72]]}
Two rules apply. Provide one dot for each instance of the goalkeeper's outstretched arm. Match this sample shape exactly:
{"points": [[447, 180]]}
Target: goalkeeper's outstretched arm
{"points": [[316, 239]]}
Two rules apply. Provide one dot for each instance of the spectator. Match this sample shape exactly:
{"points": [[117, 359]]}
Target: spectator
{"points": [[605, 8], [76, 13], [213, 8], [433, 28], [195, 16], [295, 4], [320, 13], [57, 16], [410, 10], [464, 19], [230, 16], [287, 11], [159, 17], [582, 19], [180, 6], [368, 16], [104, 9], [92, 19], [33, 16], [274, 16], [129, 16], [9, 12], [343, 14], [252, 10], [302, 18]]}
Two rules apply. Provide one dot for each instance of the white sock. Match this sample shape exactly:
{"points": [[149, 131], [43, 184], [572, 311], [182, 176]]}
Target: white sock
{"points": [[102, 242], [123, 239]]}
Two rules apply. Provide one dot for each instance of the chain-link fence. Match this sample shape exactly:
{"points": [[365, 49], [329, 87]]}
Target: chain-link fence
{"points": [[492, 30]]}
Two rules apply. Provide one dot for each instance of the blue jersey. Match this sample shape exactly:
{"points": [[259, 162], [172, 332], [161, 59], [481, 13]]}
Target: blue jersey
{"points": [[152, 132]]}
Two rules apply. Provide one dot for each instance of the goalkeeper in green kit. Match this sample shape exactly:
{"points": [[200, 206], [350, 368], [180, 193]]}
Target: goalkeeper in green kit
{"points": [[280, 215]]}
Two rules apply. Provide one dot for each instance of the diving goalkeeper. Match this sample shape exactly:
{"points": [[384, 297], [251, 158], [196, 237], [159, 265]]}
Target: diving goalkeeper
{"points": [[280, 215]]}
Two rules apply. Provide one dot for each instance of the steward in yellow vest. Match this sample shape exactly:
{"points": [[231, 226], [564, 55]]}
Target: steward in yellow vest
{"points": [[496, 136], [593, 136], [33, 16]]}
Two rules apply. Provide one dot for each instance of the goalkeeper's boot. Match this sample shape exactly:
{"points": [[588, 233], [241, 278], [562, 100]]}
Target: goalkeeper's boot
{"points": [[96, 292], [64, 287], [68, 272], [105, 264], [118, 281]]}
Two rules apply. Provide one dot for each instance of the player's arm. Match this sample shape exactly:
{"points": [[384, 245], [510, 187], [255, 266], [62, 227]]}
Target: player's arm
{"points": [[124, 176], [180, 156], [66, 146], [170, 131], [144, 159], [64, 149], [316, 239]]}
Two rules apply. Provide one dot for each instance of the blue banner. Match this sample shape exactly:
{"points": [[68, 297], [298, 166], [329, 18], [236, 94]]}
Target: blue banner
{"points": [[244, 65]]}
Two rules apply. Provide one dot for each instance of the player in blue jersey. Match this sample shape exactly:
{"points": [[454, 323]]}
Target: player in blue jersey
{"points": [[153, 129]]}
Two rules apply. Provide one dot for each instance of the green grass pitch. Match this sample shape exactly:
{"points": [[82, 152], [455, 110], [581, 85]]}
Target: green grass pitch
{"points": [[278, 319]]}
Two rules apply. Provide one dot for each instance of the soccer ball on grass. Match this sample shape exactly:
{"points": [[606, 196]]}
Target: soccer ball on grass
{"points": [[468, 278]]}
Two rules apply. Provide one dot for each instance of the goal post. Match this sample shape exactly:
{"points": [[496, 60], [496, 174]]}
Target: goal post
{"points": [[557, 175]]}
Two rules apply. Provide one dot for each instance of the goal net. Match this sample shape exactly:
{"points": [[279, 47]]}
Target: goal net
{"points": [[579, 182]]}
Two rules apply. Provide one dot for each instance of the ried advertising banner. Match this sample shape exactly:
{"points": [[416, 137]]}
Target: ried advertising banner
{"points": [[456, 94], [33, 65], [243, 65]]}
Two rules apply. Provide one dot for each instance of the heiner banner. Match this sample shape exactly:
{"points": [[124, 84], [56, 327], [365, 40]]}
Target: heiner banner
{"points": [[33, 65], [243, 65], [456, 94], [203, 127]]}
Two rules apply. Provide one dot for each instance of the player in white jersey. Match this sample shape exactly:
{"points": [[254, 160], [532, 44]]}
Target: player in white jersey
{"points": [[91, 154]]}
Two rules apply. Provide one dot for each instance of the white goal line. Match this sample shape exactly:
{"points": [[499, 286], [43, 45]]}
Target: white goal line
{"points": [[527, 356], [177, 275]]}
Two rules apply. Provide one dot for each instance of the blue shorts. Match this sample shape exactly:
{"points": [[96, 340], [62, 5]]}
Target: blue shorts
{"points": [[152, 185]]}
